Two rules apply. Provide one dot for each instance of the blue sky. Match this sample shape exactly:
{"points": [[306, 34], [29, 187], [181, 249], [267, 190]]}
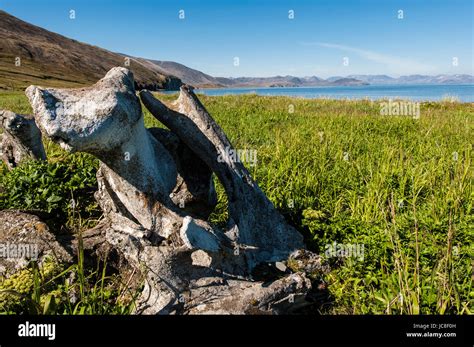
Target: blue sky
{"points": [[430, 36]]}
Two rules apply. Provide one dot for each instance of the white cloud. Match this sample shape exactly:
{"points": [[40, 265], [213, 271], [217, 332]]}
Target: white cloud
{"points": [[393, 64]]}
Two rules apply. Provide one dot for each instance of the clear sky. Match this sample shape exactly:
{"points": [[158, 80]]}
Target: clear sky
{"points": [[431, 35]]}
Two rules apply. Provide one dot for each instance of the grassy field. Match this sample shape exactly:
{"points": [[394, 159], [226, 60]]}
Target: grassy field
{"points": [[398, 188]]}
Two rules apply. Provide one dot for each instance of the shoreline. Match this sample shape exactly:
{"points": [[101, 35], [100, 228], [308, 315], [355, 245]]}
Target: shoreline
{"points": [[462, 93], [451, 99], [445, 99]]}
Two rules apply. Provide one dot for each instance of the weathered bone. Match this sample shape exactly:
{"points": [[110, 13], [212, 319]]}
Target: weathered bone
{"points": [[21, 139], [180, 253], [194, 191], [254, 221], [137, 173]]}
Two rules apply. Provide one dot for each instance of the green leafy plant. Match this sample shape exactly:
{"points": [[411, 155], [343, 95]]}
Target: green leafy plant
{"points": [[339, 172], [59, 188]]}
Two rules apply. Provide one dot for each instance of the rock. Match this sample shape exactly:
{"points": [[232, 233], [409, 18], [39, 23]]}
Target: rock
{"points": [[195, 236], [23, 238], [307, 262], [244, 297], [201, 258], [281, 266]]}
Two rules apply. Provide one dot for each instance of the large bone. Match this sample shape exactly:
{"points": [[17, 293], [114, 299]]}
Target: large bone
{"points": [[194, 191], [21, 139], [254, 222], [178, 252], [137, 173]]}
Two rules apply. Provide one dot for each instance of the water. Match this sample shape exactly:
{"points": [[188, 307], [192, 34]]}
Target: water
{"points": [[461, 92]]}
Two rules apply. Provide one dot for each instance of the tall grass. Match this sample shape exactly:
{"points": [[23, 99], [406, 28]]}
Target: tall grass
{"points": [[76, 289], [341, 172]]}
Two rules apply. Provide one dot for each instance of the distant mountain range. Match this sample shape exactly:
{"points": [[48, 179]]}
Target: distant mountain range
{"points": [[32, 55], [285, 81], [201, 80], [411, 79]]}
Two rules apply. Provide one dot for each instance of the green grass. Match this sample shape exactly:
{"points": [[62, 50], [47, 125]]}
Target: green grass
{"points": [[52, 288], [401, 192]]}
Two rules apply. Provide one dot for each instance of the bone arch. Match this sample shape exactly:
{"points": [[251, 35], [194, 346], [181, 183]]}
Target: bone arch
{"points": [[139, 196]]}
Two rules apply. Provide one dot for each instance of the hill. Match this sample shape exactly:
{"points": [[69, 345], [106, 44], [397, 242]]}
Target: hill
{"points": [[32, 55], [187, 74]]}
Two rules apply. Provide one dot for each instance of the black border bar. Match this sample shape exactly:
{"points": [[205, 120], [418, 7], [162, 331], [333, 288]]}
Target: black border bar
{"points": [[224, 330]]}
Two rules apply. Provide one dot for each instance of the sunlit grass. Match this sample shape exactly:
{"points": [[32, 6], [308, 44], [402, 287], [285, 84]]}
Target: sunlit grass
{"points": [[341, 172]]}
